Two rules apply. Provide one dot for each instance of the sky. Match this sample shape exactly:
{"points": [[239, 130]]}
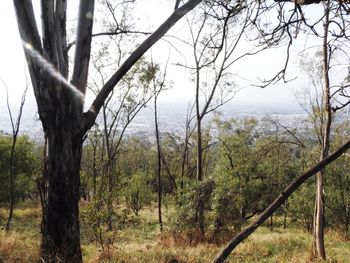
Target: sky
{"points": [[151, 13]]}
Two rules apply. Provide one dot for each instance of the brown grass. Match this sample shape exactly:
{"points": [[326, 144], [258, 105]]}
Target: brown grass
{"points": [[18, 247], [143, 242]]}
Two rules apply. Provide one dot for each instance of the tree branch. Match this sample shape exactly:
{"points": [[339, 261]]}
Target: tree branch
{"points": [[91, 114], [83, 45]]}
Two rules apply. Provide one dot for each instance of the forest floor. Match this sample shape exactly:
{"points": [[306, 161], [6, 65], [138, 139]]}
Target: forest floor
{"points": [[143, 242]]}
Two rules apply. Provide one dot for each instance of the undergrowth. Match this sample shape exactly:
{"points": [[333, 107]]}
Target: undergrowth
{"points": [[141, 241]]}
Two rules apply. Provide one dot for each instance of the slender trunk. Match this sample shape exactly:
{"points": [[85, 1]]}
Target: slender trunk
{"points": [[318, 247], [108, 167], [285, 219], [185, 161], [200, 208], [159, 164], [94, 169], [110, 210], [11, 185]]}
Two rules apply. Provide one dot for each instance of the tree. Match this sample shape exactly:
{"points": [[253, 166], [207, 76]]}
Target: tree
{"points": [[15, 131], [214, 50], [137, 192], [123, 104], [60, 107], [324, 109], [119, 110], [158, 86], [238, 186]]}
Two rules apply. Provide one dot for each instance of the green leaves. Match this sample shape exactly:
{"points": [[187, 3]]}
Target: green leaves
{"points": [[24, 166]]}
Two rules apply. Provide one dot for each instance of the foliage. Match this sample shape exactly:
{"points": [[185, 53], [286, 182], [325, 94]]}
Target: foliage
{"points": [[137, 192], [185, 215], [301, 204], [24, 167]]}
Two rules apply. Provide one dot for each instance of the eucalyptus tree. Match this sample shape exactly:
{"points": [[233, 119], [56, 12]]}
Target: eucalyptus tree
{"points": [[118, 112], [216, 36], [123, 104], [238, 186], [61, 108], [331, 96], [332, 41], [158, 86]]}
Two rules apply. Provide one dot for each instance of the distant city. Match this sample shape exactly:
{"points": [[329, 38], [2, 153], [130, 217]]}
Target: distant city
{"points": [[172, 117]]}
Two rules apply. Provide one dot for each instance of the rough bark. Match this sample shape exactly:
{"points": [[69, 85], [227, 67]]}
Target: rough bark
{"points": [[246, 232], [60, 112], [60, 225]]}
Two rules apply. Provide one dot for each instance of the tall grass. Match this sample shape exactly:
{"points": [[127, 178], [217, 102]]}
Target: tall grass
{"points": [[22, 243]]}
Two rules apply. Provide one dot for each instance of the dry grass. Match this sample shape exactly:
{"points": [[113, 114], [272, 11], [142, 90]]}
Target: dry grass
{"points": [[143, 242], [18, 247], [22, 243]]}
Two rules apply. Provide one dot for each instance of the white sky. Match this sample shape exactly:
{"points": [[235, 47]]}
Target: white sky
{"points": [[13, 67]]}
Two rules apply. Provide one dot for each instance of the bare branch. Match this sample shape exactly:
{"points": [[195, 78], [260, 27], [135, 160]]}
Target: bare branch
{"points": [[90, 116]]}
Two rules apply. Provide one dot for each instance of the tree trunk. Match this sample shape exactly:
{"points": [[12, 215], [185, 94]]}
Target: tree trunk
{"points": [[60, 224], [94, 169], [110, 197], [11, 185], [200, 208], [159, 163], [318, 246]]}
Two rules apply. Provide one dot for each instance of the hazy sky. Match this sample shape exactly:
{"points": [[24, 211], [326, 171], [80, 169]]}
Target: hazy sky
{"points": [[13, 67]]}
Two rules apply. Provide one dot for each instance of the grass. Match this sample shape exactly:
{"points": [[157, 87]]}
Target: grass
{"points": [[22, 243], [143, 242]]}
